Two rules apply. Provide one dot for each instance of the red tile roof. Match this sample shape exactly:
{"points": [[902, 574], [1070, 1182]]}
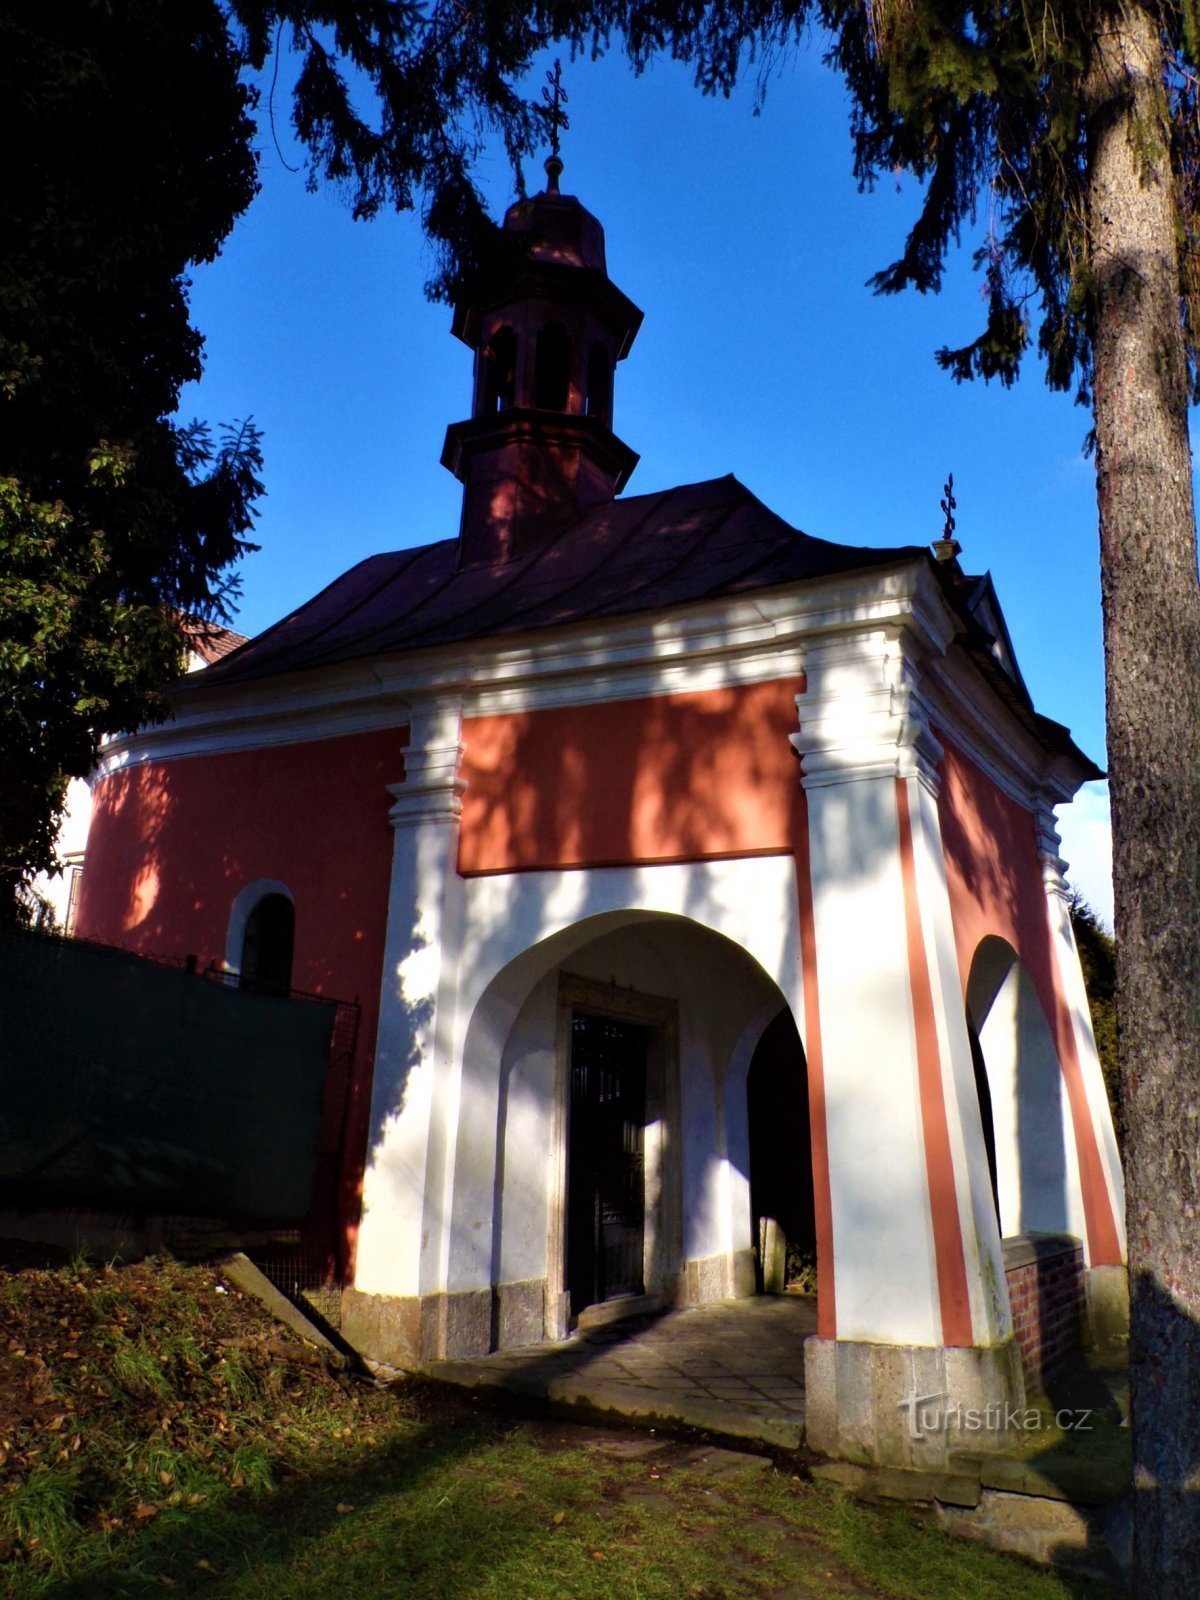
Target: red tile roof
{"points": [[210, 641]]}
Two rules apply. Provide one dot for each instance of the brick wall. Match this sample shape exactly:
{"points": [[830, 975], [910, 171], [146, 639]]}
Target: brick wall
{"points": [[1046, 1293]]}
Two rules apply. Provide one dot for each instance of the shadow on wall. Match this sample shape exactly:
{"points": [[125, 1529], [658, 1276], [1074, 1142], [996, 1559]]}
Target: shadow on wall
{"points": [[125, 867], [985, 838], [701, 773], [1034, 1181]]}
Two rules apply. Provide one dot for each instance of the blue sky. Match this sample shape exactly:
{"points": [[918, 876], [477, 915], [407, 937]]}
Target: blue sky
{"points": [[763, 353]]}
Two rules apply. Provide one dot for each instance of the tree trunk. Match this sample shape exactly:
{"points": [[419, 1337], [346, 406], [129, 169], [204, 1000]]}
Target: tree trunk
{"points": [[1152, 665]]}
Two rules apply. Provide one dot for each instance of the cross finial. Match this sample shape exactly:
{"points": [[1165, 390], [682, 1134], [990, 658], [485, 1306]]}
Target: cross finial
{"points": [[947, 547], [554, 98]]}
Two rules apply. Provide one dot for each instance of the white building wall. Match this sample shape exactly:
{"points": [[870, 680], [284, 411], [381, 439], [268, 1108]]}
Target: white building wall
{"points": [[71, 845], [526, 1097]]}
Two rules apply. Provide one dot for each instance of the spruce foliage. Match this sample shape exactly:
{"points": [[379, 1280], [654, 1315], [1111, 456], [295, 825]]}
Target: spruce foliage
{"points": [[1098, 958], [128, 157]]}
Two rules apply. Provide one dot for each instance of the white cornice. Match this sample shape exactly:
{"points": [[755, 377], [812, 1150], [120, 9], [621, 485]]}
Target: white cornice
{"points": [[725, 643], [983, 727], [432, 788], [713, 644], [862, 715]]}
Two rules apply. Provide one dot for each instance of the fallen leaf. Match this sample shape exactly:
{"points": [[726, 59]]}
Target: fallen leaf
{"points": [[165, 1477], [205, 1566], [559, 1516], [598, 1555], [144, 1510], [343, 1509]]}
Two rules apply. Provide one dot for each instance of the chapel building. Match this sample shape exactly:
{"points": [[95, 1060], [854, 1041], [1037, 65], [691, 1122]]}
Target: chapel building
{"points": [[698, 879]]}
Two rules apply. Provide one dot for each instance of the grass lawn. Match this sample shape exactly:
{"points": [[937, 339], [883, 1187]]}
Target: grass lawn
{"points": [[158, 1434]]}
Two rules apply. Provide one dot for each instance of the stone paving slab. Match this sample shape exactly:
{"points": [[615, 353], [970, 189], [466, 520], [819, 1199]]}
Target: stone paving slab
{"points": [[734, 1368]]}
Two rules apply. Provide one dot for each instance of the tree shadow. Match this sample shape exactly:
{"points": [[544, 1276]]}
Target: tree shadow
{"points": [[1142, 1478], [265, 1538]]}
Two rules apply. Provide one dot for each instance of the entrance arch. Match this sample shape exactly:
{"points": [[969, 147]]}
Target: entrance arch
{"points": [[1036, 1174], [684, 1008]]}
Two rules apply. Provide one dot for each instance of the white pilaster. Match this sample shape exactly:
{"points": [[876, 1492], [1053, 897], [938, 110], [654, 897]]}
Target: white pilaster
{"points": [[991, 1318], [864, 733], [414, 1091]]}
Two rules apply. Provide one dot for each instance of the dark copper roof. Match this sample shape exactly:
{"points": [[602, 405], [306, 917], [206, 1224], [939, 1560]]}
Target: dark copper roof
{"points": [[647, 552], [557, 228]]}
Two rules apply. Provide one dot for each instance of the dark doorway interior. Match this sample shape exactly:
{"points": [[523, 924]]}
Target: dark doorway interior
{"points": [[267, 944], [781, 1175], [606, 1199]]}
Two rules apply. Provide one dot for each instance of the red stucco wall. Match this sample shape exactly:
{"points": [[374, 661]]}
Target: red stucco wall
{"points": [[172, 843], [668, 778]]}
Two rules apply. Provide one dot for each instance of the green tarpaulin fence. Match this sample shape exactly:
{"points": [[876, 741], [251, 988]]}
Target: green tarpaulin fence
{"points": [[135, 1086]]}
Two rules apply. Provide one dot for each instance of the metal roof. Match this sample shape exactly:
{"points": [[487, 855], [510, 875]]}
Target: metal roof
{"points": [[641, 553]]}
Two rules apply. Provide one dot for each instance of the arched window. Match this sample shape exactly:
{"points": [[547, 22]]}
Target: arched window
{"points": [[599, 383], [499, 372], [552, 368], [267, 944]]}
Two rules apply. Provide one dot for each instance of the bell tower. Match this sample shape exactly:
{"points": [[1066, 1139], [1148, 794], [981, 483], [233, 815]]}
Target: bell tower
{"points": [[547, 327]]}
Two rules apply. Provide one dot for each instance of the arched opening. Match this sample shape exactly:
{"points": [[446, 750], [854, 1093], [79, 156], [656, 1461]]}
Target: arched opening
{"points": [[599, 383], [782, 1209], [604, 1131], [1023, 1102], [267, 944], [499, 388], [552, 368]]}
